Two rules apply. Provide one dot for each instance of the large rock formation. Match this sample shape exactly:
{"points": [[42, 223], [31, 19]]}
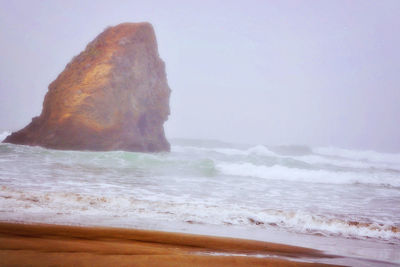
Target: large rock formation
{"points": [[112, 96]]}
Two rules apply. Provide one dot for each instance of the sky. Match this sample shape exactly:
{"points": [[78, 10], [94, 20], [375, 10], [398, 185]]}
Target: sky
{"points": [[319, 73]]}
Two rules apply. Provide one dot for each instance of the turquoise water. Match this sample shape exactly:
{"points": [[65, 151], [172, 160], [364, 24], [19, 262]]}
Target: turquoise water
{"points": [[313, 191]]}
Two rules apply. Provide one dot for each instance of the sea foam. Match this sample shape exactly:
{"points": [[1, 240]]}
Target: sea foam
{"points": [[255, 150], [51, 207], [298, 189], [304, 175], [366, 155]]}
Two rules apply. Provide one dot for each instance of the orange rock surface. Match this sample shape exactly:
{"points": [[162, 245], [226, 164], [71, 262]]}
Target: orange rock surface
{"points": [[112, 96]]}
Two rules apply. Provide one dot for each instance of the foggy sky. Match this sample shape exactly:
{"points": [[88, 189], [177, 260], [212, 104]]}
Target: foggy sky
{"points": [[321, 73]]}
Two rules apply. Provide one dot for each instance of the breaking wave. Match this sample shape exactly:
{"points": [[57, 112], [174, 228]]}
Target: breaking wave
{"points": [[306, 222], [259, 150], [320, 157], [305, 175], [322, 191], [366, 156], [55, 207]]}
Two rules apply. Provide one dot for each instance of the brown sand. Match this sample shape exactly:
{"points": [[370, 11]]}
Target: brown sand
{"points": [[56, 245]]}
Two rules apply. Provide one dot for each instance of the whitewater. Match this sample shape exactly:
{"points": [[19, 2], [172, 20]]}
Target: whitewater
{"points": [[321, 191]]}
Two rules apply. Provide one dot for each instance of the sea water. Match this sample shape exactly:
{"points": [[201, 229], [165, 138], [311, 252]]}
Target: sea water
{"points": [[319, 192]]}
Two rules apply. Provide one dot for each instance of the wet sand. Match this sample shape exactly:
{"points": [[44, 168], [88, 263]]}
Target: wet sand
{"points": [[57, 245]]}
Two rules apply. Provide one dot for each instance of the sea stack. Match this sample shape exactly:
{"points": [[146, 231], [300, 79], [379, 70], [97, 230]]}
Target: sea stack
{"points": [[112, 96]]}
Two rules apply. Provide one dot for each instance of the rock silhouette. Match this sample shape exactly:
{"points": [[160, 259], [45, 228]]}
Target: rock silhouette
{"points": [[112, 96]]}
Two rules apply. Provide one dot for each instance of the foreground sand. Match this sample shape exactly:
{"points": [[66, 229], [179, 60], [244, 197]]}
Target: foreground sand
{"points": [[55, 245]]}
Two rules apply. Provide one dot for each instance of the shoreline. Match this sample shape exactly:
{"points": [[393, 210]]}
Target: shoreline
{"points": [[350, 252], [61, 245]]}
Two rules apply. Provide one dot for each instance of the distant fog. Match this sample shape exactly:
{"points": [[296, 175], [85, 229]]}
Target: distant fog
{"points": [[320, 73]]}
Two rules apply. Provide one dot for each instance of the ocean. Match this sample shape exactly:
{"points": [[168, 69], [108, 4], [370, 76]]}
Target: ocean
{"points": [[313, 196]]}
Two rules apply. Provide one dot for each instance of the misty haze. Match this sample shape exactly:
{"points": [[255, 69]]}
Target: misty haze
{"points": [[282, 73], [271, 121]]}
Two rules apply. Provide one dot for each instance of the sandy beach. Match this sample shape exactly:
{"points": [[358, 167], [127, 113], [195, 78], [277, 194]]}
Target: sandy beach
{"points": [[56, 245]]}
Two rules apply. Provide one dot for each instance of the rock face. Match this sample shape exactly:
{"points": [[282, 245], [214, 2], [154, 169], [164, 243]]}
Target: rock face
{"points": [[112, 96]]}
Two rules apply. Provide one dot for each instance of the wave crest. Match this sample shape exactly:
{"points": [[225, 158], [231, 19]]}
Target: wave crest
{"points": [[68, 206], [259, 150], [278, 172], [361, 155]]}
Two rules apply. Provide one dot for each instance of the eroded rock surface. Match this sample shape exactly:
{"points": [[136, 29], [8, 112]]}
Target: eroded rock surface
{"points": [[112, 96]]}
